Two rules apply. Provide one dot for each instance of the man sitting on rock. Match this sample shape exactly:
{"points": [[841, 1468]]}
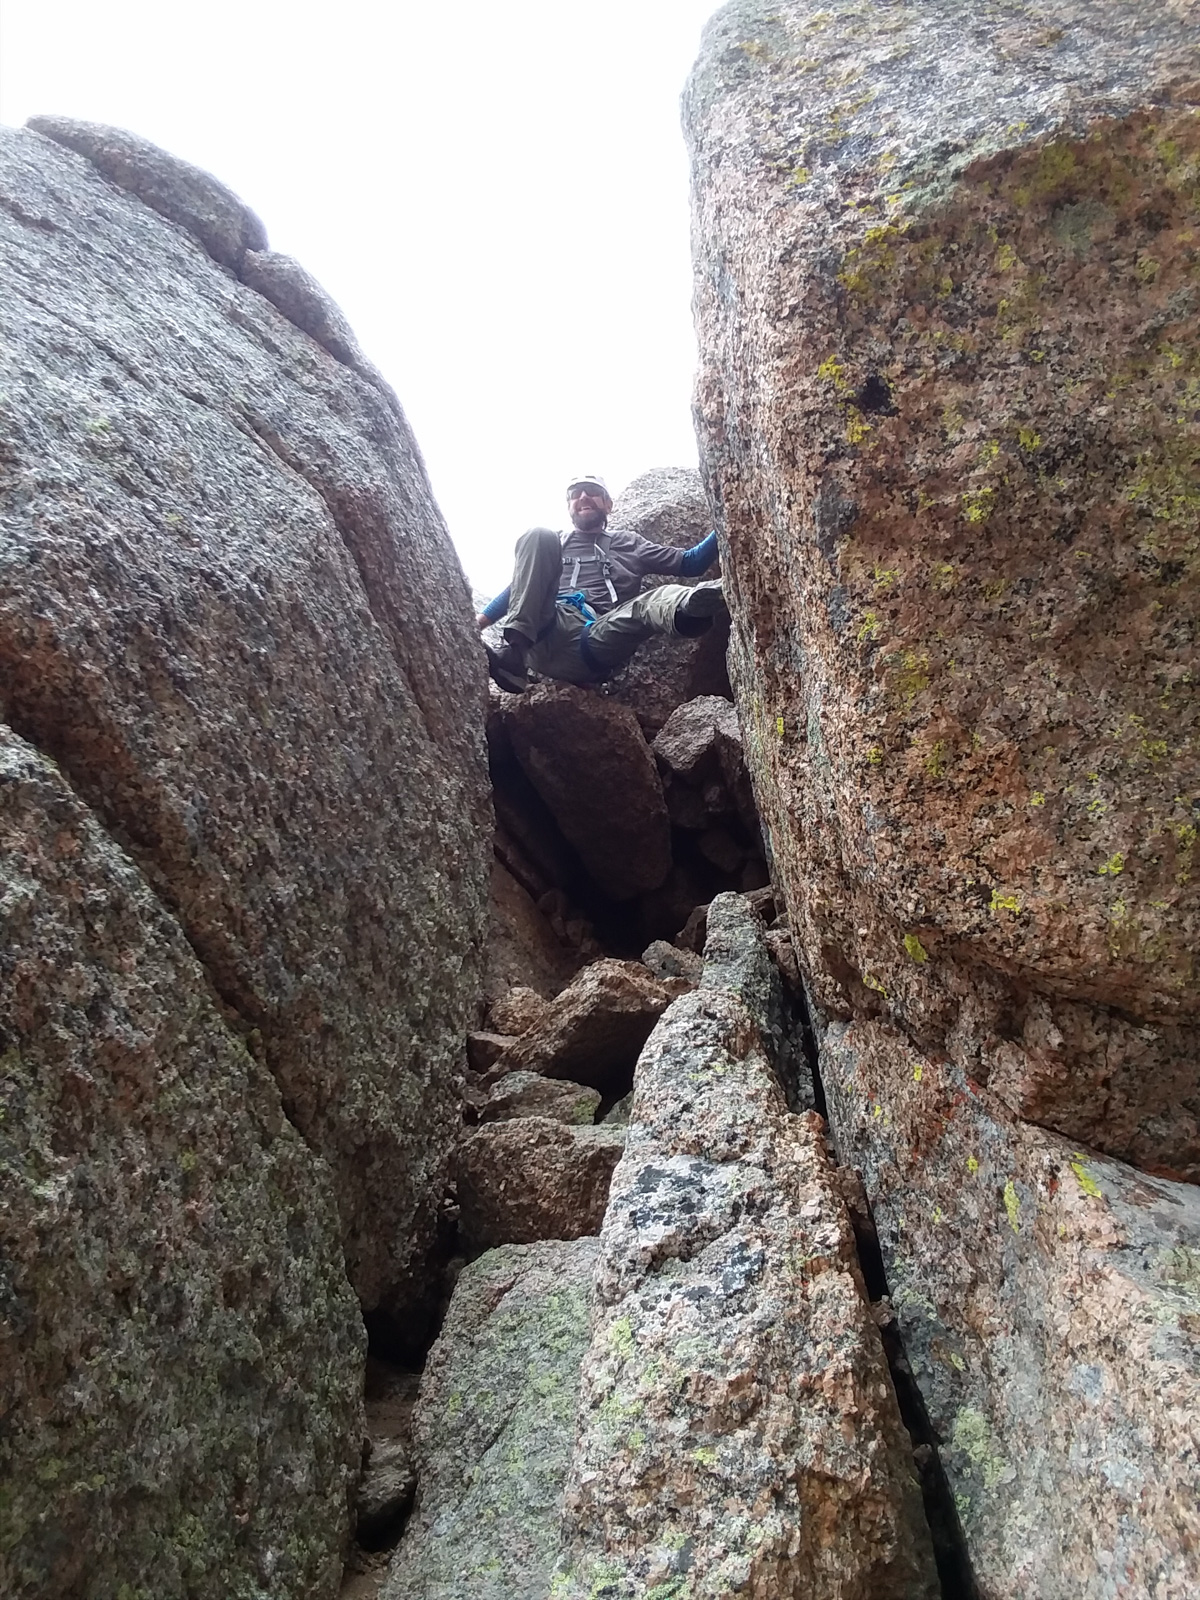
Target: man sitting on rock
{"points": [[573, 609]]}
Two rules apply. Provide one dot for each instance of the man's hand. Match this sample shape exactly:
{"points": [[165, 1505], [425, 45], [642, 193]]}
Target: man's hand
{"points": [[481, 622]]}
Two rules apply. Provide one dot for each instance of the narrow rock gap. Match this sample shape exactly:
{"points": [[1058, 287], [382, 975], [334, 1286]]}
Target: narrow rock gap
{"points": [[387, 1487], [955, 1574], [397, 1352], [805, 1044], [954, 1569]]}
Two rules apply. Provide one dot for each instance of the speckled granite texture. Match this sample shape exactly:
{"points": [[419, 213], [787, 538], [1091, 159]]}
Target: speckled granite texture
{"points": [[947, 293]]}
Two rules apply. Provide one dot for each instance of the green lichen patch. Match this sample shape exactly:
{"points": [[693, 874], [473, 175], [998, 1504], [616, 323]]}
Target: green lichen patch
{"points": [[972, 1435], [1084, 1178], [1012, 1206]]}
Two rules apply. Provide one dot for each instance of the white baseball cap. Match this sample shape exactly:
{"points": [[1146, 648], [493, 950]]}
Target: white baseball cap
{"points": [[592, 479]]}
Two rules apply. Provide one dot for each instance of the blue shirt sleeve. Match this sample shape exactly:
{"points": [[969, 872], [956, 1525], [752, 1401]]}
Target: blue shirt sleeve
{"points": [[496, 608], [699, 558]]}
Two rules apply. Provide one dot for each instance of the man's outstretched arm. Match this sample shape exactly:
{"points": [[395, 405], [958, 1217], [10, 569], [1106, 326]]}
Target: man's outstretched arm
{"points": [[494, 610], [670, 560], [700, 557]]}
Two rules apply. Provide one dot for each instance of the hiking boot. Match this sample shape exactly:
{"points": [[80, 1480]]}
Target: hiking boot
{"points": [[507, 664], [695, 612]]}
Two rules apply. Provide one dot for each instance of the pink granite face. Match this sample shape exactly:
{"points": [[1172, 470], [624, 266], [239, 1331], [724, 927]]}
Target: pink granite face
{"points": [[955, 431], [946, 291]]}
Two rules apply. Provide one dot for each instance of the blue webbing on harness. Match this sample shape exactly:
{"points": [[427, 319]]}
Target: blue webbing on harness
{"points": [[577, 600]]}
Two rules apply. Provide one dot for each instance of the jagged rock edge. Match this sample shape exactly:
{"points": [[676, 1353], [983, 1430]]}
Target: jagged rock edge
{"points": [[362, 367], [274, 445]]}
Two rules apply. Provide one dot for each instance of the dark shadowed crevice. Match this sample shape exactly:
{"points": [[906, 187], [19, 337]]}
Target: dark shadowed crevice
{"points": [[387, 1339], [387, 1487], [397, 1350], [806, 1045], [405, 1341], [955, 1574], [954, 1569]]}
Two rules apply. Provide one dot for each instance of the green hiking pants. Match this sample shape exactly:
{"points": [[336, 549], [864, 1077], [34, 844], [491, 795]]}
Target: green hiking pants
{"points": [[557, 631]]}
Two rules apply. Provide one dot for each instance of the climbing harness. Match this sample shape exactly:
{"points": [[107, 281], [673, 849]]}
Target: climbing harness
{"points": [[576, 600], [604, 562]]}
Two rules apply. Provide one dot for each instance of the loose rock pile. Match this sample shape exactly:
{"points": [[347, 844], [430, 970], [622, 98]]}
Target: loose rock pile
{"points": [[615, 840], [733, 1350], [617, 811], [582, 800], [623, 1414], [536, 1167]]}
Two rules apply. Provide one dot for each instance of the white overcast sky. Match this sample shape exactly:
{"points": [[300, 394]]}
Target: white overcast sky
{"points": [[496, 195]]}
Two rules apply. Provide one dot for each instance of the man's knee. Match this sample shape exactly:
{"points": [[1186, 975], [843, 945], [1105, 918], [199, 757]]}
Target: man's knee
{"points": [[539, 541]]}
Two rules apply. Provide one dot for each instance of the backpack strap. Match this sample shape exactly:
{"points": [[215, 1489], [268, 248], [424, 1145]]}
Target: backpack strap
{"points": [[603, 561], [606, 567]]}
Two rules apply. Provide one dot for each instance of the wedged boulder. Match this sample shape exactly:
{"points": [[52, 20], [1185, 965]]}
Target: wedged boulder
{"points": [[485, 1049], [618, 1117], [669, 506], [593, 1031], [522, 949], [587, 758], [521, 1009], [528, 1094], [230, 612], [1049, 1302], [182, 1354], [385, 1488], [494, 1424], [534, 1178], [699, 749], [528, 840], [699, 737], [691, 936], [738, 1430], [670, 961], [947, 342]]}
